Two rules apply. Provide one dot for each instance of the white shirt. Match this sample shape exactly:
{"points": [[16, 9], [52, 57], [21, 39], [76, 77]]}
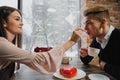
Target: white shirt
{"points": [[106, 37]]}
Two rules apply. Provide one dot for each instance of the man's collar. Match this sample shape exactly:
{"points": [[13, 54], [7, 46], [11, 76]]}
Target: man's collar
{"points": [[107, 36]]}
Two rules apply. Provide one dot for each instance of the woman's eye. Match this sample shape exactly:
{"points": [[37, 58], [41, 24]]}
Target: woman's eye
{"points": [[17, 19]]}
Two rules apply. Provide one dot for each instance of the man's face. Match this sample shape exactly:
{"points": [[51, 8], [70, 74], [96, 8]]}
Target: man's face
{"points": [[92, 26]]}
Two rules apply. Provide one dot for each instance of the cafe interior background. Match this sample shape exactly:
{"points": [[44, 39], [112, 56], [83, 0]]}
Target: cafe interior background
{"points": [[49, 23]]}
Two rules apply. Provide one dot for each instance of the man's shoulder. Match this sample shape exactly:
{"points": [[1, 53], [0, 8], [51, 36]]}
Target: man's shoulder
{"points": [[116, 31]]}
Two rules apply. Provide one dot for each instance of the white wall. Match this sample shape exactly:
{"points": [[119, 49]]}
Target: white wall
{"points": [[12, 3]]}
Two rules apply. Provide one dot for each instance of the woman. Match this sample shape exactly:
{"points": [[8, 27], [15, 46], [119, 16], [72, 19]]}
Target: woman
{"points": [[43, 62]]}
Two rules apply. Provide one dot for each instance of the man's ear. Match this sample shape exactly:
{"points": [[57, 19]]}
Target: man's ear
{"points": [[104, 20]]}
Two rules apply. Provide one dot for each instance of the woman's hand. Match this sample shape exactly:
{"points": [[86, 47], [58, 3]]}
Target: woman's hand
{"points": [[76, 35]]}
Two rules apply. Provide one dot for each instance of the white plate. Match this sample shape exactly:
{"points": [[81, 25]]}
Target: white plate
{"points": [[80, 74], [98, 77]]}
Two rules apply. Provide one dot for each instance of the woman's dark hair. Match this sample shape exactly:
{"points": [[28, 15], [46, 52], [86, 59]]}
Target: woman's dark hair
{"points": [[5, 11]]}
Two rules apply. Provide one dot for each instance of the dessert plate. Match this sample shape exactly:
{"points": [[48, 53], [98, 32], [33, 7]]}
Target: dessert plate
{"points": [[80, 74], [97, 77]]}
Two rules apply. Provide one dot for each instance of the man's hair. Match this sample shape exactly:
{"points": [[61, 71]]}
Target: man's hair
{"points": [[98, 12]]}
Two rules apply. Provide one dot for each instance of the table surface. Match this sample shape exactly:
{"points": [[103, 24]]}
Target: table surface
{"points": [[25, 73]]}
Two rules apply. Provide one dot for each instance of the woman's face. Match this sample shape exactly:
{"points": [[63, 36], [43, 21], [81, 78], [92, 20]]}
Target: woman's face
{"points": [[93, 27], [14, 23]]}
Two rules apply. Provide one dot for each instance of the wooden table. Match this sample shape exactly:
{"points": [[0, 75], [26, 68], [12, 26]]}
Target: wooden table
{"points": [[26, 73]]}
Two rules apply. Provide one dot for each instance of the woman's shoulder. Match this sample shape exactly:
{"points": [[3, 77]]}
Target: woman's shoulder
{"points": [[3, 39]]}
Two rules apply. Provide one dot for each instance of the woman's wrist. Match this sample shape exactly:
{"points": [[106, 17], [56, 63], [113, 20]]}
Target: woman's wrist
{"points": [[68, 44]]}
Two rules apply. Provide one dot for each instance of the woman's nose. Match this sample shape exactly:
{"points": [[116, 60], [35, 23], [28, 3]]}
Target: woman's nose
{"points": [[21, 23]]}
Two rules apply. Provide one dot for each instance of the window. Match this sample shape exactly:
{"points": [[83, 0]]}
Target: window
{"points": [[49, 23]]}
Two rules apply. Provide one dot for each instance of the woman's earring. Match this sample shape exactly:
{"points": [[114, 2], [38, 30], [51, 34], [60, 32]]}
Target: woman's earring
{"points": [[5, 25]]}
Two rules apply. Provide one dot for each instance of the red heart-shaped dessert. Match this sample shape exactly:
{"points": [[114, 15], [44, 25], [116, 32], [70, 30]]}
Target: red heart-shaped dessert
{"points": [[68, 71]]}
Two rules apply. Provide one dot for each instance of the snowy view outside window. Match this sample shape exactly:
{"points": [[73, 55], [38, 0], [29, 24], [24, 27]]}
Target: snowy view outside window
{"points": [[49, 23]]}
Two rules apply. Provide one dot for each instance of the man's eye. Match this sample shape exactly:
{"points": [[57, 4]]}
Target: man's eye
{"points": [[89, 23]]}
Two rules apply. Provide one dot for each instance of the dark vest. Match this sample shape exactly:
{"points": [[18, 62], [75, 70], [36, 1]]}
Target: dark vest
{"points": [[8, 72]]}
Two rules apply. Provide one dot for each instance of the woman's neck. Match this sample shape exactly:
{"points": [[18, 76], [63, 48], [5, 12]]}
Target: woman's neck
{"points": [[10, 36]]}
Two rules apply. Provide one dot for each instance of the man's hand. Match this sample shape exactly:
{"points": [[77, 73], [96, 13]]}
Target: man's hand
{"points": [[102, 64], [83, 52]]}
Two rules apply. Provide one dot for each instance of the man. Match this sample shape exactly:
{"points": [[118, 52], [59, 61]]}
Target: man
{"points": [[105, 37]]}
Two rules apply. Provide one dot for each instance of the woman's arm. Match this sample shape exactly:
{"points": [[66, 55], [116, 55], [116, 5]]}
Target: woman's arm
{"points": [[44, 62]]}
